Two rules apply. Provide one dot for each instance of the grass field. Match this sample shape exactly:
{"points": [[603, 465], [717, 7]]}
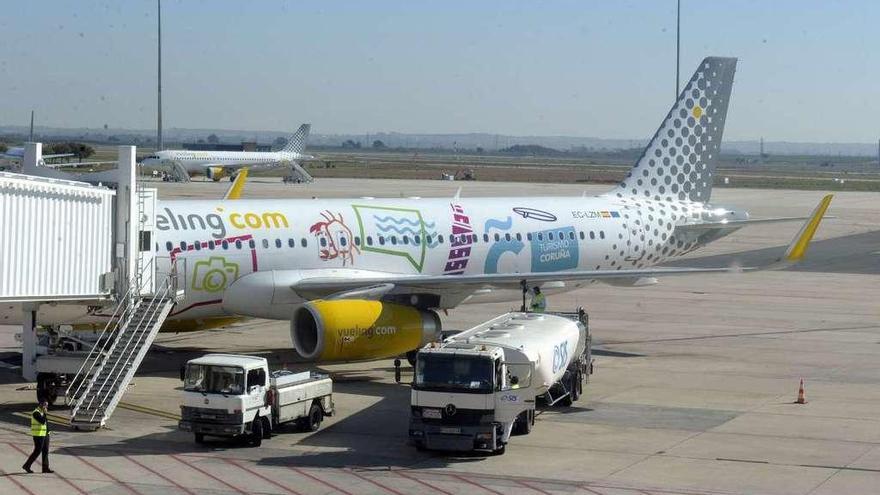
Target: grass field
{"points": [[809, 173]]}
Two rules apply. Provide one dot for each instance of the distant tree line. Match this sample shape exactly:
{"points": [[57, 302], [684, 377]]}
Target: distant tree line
{"points": [[78, 150]]}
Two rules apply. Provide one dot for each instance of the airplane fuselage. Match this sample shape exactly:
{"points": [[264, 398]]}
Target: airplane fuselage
{"points": [[214, 243], [197, 161]]}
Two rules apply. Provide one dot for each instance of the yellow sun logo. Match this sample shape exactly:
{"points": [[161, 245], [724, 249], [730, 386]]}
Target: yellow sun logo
{"points": [[697, 112]]}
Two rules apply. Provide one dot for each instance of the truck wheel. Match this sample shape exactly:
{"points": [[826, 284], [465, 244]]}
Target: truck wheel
{"points": [[257, 432], [411, 357], [523, 424], [500, 450], [315, 417], [199, 437], [576, 386]]}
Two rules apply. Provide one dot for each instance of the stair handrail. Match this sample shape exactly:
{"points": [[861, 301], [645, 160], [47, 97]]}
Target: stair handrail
{"points": [[97, 350], [148, 316], [123, 312]]}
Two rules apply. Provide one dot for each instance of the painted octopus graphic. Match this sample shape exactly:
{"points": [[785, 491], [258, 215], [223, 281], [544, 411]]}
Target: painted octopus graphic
{"points": [[334, 238]]}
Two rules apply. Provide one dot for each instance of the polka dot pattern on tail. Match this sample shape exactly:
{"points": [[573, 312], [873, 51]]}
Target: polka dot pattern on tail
{"points": [[684, 149]]}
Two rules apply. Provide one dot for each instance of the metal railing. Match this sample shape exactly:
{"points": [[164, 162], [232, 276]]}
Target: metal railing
{"points": [[119, 369], [121, 319]]}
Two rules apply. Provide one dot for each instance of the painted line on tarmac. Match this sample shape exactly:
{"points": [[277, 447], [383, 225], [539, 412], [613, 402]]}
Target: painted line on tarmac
{"points": [[368, 480], [478, 485], [527, 485], [108, 475], [435, 488], [53, 418], [264, 478], [193, 466], [148, 410], [62, 478], [178, 485], [319, 480], [11, 477]]}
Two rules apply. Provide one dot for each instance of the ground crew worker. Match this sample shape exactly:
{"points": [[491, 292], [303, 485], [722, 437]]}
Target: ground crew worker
{"points": [[539, 302], [40, 432]]}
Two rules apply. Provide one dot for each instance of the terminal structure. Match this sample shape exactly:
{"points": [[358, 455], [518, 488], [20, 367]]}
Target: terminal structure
{"points": [[79, 248]]}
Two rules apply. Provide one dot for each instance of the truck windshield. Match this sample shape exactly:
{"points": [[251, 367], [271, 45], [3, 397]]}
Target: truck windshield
{"points": [[214, 379], [460, 373]]}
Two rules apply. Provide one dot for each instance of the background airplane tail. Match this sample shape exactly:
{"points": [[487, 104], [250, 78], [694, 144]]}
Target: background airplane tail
{"points": [[297, 142], [679, 162]]}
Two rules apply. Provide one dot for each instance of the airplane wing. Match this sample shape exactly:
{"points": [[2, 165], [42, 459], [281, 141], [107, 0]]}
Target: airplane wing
{"points": [[343, 282], [237, 186]]}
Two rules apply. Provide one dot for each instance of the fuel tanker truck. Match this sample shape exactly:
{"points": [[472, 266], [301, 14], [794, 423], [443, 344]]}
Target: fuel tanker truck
{"points": [[475, 389]]}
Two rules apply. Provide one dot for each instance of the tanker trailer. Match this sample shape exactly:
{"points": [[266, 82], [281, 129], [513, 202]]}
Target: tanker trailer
{"points": [[476, 388]]}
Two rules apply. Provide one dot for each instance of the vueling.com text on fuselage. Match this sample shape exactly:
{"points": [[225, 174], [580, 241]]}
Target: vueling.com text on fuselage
{"points": [[219, 223]]}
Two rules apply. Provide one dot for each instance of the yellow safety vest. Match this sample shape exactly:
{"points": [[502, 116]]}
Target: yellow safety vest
{"points": [[539, 303], [38, 429]]}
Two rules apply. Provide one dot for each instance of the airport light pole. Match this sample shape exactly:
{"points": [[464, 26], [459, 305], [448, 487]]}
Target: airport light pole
{"points": [[677, 45], [160, 145]]}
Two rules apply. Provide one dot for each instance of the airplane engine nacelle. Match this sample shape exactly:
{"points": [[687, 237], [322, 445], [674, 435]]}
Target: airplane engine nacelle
{"points": [[357, 330], [215, 173]]}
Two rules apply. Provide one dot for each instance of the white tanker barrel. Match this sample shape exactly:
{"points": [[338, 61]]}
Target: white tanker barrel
{"points": [[550, 342]]}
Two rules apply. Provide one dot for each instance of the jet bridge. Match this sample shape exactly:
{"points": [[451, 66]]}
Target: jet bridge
{"points": [[77, 248]]}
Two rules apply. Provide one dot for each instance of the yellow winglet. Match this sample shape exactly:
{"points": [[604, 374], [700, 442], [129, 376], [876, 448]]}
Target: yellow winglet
{"points": [[234, 191], [798, 247]]}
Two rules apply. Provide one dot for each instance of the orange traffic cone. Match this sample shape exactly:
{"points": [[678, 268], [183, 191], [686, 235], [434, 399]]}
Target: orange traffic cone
{"points": [[802, 396]]}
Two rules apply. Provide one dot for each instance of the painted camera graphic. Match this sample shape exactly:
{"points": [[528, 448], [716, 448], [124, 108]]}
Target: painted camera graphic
{"points": [[214, 274]]}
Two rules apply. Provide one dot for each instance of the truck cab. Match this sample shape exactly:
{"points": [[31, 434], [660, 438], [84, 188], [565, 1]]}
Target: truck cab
{"points": [[468, 397], [226, 395]]}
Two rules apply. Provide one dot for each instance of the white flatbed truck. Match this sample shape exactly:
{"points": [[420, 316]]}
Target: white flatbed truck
{"points": [[476, 388], [227, 395]]}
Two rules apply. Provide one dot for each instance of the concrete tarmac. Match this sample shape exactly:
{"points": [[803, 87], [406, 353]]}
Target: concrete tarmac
{"points": [[693, 391]]}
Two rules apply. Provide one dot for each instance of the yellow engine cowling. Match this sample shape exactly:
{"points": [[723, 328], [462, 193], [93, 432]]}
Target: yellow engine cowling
{"points": [[359, 330], [215, 173]]}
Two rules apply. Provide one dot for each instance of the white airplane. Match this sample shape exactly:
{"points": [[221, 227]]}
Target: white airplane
{"points": [[218, 164], [15, 155], [363, 278]]}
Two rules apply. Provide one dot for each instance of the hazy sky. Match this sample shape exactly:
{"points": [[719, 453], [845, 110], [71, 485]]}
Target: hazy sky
{"points": [[808, 70]]}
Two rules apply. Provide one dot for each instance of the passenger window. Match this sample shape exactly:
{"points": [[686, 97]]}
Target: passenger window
{"points": [[265, 243], [211, 245], [225, 245], [601, 234], [291, 242], [592, 235], [303, 242], [540, 236], [169, 246], [369, 240], [406, 240], [252, 244], [507, 236], [440, 238], [278, 243], [381, 240], [485, 237], [571, 235], [343, 241], [581, 233], [529, 236], [357, 241], [417, 240], [237, 244], [518, 236], [323, 242], [198, 246], [394, 240], [550, 236], [497, 237]]}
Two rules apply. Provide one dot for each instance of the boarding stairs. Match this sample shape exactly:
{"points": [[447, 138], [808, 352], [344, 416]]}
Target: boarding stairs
{"points": [[101, 381]]}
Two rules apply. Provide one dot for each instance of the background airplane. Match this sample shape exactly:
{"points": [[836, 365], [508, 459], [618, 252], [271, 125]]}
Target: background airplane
{"points": [[218, 164]]}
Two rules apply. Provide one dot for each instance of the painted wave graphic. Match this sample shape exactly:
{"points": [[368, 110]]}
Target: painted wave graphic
{"points": [[499, 224], [399, 221]]}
